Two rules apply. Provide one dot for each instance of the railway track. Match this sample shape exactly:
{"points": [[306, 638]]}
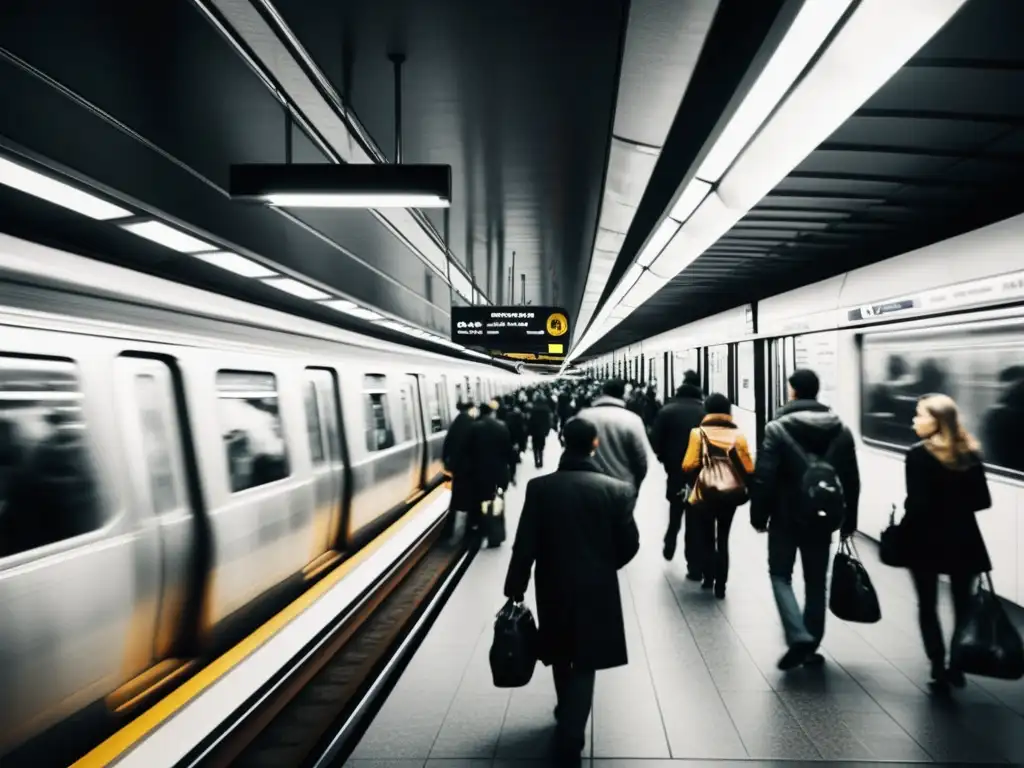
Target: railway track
{"points": [[314, 711]]}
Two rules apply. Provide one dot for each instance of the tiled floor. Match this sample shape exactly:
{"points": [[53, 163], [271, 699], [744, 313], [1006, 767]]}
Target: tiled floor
{"points": [[701, 687]]}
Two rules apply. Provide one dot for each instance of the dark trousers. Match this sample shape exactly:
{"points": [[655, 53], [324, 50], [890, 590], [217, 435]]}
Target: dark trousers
{"points": [[715, 524], [807, 626], [575, 690], [677, 517], [538, 449], [927, 586]]}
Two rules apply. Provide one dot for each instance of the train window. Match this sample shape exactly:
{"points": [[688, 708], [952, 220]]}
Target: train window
{"points": [[981, 366], [154, 406], [379, 433], [324, 383], [314, 429], [435, 400], [458, 394], [250, 419], [404, 399], [48, 484]]}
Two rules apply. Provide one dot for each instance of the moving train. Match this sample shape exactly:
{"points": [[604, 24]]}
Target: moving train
{"points": [[171, 461], [945, 318]]}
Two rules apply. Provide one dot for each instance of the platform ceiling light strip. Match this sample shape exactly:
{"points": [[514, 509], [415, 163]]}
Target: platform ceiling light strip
{"points": [[355, 200], [58, 192], [353, 309], [875, 42], [168, 236], [296, 288], [239, 265]]}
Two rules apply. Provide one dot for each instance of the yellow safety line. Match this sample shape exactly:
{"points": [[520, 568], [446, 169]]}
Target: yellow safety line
{"points": [[126, 738]]}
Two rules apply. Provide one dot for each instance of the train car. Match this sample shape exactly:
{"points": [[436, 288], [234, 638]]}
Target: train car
{"points": [[172, 462], [945, 318]]}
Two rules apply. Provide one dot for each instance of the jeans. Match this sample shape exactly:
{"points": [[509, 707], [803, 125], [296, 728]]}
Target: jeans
{"points": [[927, 586], [715, 524], [807, 626], [575, 689]]}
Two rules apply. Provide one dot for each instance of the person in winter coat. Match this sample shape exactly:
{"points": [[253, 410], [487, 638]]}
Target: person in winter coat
{"points": [[540, 426], [453, 455], [577, 529], [623, 453], [488, 461], [670, 437], [777, 504], [715, 519], [946, 485]]}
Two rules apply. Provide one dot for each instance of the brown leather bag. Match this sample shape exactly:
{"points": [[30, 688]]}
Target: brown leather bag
{"points": [[720, 481]]}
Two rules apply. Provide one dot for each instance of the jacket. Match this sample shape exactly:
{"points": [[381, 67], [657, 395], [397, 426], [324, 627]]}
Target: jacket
{"points": [[577, 530], [671, 436], [939, 528], [723, 433], [622, 447], [453, 453], [774, 491], [540, 419], [489, 457]]}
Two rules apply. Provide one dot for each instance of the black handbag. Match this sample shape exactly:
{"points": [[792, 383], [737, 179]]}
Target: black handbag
{"points": [[892, 546], [986, 643], [513, 654], [494, 520], [852, 596]]}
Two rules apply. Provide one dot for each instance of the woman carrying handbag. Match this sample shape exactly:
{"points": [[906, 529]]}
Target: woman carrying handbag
{"points": [[719, 450], [939, 534]]}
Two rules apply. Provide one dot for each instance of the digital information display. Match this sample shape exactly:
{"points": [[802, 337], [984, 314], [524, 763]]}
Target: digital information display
{"points": [[513, 331]]}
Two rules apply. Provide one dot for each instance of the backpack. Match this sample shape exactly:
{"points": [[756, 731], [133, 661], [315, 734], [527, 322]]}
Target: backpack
{"points": [[822, 500]]}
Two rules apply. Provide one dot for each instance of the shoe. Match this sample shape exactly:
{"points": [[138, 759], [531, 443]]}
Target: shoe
{"points": [[797, 654], [956, 678], [720, 591], [940, 681], [691, 576], [707, 584], [814, 660]]}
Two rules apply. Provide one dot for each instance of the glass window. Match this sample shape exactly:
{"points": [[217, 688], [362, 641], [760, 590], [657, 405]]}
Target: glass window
{"points": [[154, 410], [250, 419], [48, 486], [459, 398], [379, 433], [745, 395], [435, 398], [981, 366], [313, 427], [718, 369], [407, 426]]}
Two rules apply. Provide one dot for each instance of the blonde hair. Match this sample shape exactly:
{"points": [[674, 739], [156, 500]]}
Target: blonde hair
{"points": [[953, 445]]}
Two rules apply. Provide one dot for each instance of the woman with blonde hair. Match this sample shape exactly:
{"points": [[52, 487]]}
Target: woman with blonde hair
{"points": [[946, 485]]}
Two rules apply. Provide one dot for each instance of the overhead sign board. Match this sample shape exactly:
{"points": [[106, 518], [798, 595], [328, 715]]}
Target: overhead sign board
{"points": [[513, 330]]}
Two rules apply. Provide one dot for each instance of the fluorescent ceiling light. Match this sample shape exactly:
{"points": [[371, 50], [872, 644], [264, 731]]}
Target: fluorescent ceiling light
{"points": [[57, 192], [690, 200], [644, 288], [169, 237], [351, 308], [658, 241], [310, 200], [296, 288], [232, 262], [808, 31]]}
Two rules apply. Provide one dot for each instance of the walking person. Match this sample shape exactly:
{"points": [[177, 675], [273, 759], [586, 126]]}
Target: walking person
{"points": [[805, 442], [717, 433], [623, 437], [577, 529]]}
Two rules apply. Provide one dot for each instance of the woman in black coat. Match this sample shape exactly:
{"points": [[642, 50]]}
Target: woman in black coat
{"points": [[945, 486]]}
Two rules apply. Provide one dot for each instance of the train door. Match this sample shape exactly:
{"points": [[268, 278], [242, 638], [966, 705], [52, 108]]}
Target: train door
{"points": [[439, 415], [412, 412], [321, 397], [152, 420]]}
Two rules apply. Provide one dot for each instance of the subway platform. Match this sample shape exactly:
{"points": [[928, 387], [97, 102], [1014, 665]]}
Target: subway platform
{"points": [[701, 686]]}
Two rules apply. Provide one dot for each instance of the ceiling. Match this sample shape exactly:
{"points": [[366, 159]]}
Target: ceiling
{"points": [[152, 103], [937, 151]]}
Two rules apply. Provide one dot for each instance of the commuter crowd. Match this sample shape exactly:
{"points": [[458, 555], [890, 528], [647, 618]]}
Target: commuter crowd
{"points": [[577, 527]]}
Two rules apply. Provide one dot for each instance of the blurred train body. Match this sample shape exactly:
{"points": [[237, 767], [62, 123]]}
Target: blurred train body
{"points": [[945, 318], [171, 459]]}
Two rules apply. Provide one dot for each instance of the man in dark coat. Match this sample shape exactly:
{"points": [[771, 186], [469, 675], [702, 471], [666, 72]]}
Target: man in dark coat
{"points": [[669, 438], [488, 461], [453, 454], [540, 425], [577, 526], [775, 499]]}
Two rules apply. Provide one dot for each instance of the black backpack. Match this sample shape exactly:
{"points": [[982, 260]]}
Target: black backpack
{"points": [[822, 500]]}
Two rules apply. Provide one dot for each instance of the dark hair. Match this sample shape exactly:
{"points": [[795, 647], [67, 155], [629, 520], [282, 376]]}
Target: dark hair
{"points": [[614, 388], [805, 384], [691, 378], [579, 435], [485, 409], [717, 403], [463, 406]]}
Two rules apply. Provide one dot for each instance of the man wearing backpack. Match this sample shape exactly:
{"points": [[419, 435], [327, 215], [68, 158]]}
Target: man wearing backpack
{"points": [[806, 486]]}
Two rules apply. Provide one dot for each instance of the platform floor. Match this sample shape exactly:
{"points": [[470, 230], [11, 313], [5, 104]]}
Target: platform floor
{"points": [[701, 686]]}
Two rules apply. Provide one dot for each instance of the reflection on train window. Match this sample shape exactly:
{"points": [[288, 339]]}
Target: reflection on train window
{"points": [[48, 487], [314, 429], [379, 433], [437, 420], [250, 419], [458, 394], [981, 366], [156, 442]]}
